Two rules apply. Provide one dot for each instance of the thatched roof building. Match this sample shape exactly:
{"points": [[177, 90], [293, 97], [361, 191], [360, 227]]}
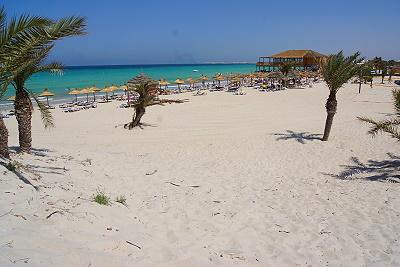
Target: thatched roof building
{"points": [[300, 59]]}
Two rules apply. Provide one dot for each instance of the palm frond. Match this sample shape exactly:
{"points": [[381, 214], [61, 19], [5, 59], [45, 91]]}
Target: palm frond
{"points": [[47, 116], [396, 102], [338, 69], [67, 27], [3, 17], [54, 67], [390, 126]]}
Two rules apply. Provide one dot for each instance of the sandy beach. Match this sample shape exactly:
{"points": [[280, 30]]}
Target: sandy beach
{"points": [[222, 180]]}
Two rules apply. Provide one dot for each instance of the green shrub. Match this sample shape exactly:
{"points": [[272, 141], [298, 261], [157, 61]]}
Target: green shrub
{"points": [[101, 198], [121, 199]]}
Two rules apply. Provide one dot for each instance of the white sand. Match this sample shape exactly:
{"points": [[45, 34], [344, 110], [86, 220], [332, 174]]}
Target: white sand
{"points": [[264, 195]]}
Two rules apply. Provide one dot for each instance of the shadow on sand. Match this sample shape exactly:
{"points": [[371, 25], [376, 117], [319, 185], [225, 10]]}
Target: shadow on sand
{"points": [[300, 137], [372, 170], [40, 152]]}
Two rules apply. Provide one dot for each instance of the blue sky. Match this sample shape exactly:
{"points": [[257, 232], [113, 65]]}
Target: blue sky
{"points": [[148, 32]]}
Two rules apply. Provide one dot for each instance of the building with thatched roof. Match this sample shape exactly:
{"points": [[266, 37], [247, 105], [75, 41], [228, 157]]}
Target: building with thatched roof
{"points": [[300, 59]]}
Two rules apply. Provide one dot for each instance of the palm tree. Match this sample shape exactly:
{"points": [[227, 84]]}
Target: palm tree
{"points": [[25, 44], [336, 70], [285, 68], [389, 126], [391, 73], [147, 96], [364, 72], [383, 73], [3, 139]]}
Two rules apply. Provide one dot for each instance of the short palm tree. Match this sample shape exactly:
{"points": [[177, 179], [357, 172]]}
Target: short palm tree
{"points": [[147, 96], [390, 126], [25, 44], [336, 70]]}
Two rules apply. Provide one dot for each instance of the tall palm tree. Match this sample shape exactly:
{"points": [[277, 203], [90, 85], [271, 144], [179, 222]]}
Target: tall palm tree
{"points": [[3, 139], [15, 38], [390, 126], [285, 68], [364, 72], [383, 73], [336, 70], [146, 97], [25, 44]]}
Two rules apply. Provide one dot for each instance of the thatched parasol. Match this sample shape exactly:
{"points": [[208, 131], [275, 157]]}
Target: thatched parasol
{"points": [[87, 92], [46, 93], [203, 79], [11, 98], [163, 82], [275, 75], [94, 90], [75, 92], [179, 82], [219, 78], [191, 81], [107, 90]]}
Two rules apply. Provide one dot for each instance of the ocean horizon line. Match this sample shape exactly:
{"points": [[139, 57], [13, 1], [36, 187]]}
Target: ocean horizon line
{"points": [[161, 64]]}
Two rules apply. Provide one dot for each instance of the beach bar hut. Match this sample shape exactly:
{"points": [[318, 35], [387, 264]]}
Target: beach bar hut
{"points": [[300, 59]]}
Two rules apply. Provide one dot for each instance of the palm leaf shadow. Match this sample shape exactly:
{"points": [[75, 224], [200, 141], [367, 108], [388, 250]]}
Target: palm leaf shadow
{"points": [[300, 137], [372, 170]]}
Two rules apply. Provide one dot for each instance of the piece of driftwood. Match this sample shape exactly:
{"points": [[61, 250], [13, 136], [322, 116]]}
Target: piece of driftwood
{"points": [[151, 173], [6, 213], [133, 244], [21, 216], [51, 214], [174, 184]]}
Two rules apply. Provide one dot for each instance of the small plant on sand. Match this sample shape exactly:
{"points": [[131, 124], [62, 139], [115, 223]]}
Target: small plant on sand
{"points": [[390, 126], [101, 198], [11, 166], [121, 199]]}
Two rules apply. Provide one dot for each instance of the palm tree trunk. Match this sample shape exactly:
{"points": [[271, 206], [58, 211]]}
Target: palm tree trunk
{"points": [[139, 112], [3, 139], [23, 113], [331, 106]]}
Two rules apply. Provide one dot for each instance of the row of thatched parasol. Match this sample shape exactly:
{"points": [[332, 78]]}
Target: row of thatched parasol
{"points": [[86, 91], [93, 90], [162, 82]]}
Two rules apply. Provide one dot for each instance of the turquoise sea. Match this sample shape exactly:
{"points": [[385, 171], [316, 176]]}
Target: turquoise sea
{"points": [[101, 76]]}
